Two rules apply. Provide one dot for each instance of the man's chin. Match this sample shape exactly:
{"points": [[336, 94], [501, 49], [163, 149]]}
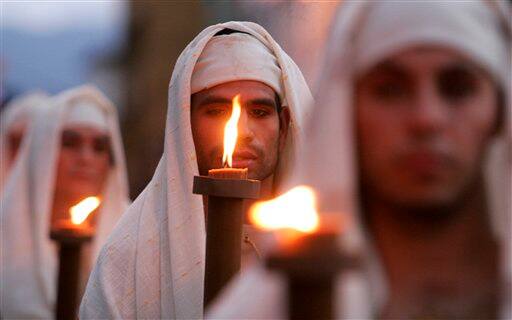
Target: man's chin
{"points": [[428, 206], [259, 174]]}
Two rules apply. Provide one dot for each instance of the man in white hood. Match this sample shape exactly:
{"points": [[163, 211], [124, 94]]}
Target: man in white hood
{"points": [[73, 150], [413, 132], [13, 126], [153, 265]]}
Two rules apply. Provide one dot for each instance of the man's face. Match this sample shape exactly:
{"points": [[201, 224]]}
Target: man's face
{"points": [[261, 129], [424, 118], [84, 162], [15, 137]]}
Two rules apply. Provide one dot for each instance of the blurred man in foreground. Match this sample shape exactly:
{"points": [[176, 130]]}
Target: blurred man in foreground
{"points": [[413, 127]]}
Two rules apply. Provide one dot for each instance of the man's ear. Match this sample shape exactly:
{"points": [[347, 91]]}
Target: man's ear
{"points": [[284, 124]]}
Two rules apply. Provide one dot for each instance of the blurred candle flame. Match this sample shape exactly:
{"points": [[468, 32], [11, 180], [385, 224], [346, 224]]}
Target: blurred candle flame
{"points": [[81, 211], [231, 133], [295, 209]]}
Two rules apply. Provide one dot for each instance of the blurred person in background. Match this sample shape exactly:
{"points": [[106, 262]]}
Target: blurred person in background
{"points": [[73, 150], [413, 132], [153, 265], [14, 122]]}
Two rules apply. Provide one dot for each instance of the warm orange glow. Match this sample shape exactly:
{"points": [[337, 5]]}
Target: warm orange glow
{"points": [[231, 133], [81, 211], [296, 210]]}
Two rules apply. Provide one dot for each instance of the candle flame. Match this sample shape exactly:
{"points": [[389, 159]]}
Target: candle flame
{"points": [[231, 133], [296, 209], [81, 211]]}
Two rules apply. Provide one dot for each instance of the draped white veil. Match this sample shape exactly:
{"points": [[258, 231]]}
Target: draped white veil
{"points": [[15, 112]]}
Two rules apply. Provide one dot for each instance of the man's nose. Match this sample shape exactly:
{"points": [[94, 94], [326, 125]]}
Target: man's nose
{"points": [[87, 153], [430, 113], [245, 130]]}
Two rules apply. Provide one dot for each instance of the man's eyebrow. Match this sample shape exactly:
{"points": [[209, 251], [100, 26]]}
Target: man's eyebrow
{"points": [[210, 99], [263, 102], [462, 66], [103, 137], [391, 67], [69, 132]]}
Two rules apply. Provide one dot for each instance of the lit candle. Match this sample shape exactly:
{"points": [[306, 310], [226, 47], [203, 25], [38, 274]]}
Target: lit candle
{"points": [[71, 234], [230, 139], [77, 224], [307, 252]]}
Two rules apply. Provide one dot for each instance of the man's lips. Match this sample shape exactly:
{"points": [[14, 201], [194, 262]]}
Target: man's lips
{"points": [[244, 155], [425, 162], [244, 159]]}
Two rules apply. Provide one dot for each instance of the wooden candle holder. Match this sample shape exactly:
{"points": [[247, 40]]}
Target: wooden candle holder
{"points": [[225, 192], [310, 266], [70, 239]]}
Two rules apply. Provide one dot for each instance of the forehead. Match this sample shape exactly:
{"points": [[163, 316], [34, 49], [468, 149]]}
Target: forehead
{"points": [[86, 131], [248, 89], [425, 60]]}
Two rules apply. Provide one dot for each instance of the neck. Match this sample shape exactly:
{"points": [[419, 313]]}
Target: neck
{"points": [[438, 262]]}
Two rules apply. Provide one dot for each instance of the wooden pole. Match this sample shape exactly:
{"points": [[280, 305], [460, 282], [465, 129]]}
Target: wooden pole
{"points": [[224, 223], [310, 267], [70, 247]]}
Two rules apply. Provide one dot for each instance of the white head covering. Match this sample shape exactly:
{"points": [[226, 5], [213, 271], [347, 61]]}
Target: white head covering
{"points": [[86, 113], [17, 112], [28, 257], [153, 264], [236, 56], [479, 29]]}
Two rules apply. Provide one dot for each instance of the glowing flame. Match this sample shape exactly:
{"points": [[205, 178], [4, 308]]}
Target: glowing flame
{"points": [[81, 211], [231, 133], [296, 209]]}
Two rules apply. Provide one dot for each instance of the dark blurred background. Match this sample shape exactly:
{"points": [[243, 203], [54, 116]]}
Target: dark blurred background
{"points": [[128, 49]]}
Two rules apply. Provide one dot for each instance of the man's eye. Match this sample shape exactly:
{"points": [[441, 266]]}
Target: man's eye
{"points": [[215, 112], [259, 113], [101, 145], [456, 84], [70, 140]]}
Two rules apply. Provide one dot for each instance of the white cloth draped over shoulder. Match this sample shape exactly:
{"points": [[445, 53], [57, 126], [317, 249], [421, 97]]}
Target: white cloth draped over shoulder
{"points": [[153, 264], [363, 33], [17, 112], [29, 260]]}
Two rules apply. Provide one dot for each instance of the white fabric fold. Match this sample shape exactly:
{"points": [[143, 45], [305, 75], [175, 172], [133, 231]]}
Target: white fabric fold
{"points": [[28, 258], [237, 56], [153, 264], [473, 33], [16, 113]]}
